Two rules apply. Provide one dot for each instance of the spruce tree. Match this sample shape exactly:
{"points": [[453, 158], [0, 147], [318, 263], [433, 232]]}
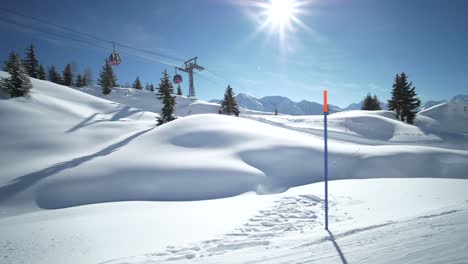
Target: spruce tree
{"points": [[18, 84], [229, 104], [107, 79], [179, 90], [137, 84], [87, 77], [54, 76], [404, 101], [164, 93], [371, 103], [9, 63], [79, 81], [410, 104], [367, 103], [376, 103], [30, 62], [151, 87], [68, 76], [42, 73]]}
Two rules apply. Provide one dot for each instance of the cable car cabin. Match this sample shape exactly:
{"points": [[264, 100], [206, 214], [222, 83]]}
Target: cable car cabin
{"points": [[177, 79], [114, 59]]}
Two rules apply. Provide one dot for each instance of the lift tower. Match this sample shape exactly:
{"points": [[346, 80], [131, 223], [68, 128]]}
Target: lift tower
{"points": [[190, 66]]}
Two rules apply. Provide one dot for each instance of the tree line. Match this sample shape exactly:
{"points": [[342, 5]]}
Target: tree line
{"points": [[403, 101]]}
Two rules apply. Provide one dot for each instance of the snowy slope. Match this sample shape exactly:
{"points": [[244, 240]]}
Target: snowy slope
{"points": [[365, 227], [450, 117], [98, 162], [372, 221], [147, 101]]}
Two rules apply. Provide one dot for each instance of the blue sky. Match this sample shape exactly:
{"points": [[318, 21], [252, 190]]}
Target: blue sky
{"points": [[349, 47]]}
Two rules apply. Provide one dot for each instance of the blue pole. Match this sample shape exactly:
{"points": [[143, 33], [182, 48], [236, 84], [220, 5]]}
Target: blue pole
{"points": [[326, 167]]}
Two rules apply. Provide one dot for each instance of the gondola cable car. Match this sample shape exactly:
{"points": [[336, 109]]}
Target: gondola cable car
{"points": [[177, 77], [114, 58]]}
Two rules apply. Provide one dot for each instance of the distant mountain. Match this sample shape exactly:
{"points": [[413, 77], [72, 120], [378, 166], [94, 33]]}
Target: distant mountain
{"points": [[284, 104], [304, 107], [456, 98], [430, 104], [460, 98]]}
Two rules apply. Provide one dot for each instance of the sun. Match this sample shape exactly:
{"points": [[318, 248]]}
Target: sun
{"points": [[282, 16], [280, 12]]}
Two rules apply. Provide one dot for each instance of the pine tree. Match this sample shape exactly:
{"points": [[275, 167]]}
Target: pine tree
{"points": [[30, 62], [404, 101], [54, 76], [376, 103], [151, 87], [88, 77], [410, 104], [179, 90], [8, 65], [107, 79], [229, 104], [67, 76], [42, 73], [164, 93], [367, 103], [18, 84], [276, 109], [79, 80], [137, 84], [371, 103]]}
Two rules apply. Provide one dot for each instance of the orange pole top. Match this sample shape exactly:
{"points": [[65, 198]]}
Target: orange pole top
{"points": [[325, 101]]}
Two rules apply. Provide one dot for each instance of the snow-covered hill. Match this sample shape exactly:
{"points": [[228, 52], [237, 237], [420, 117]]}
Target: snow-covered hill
{"points": [[147, 100], [122, 187]]}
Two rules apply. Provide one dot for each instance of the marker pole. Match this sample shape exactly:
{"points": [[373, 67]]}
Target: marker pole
{"points": [[325, 131]]}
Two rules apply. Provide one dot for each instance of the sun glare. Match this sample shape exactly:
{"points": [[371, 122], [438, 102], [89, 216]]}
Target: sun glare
{"points": [[281, 16], [280, 12]]}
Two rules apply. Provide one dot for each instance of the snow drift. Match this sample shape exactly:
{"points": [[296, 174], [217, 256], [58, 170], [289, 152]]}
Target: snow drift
{"points": [[88, 150]]}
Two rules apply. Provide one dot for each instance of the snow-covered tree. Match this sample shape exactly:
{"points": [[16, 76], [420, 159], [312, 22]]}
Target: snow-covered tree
{"points": [[54, 75], [30, 62], [137, 84], [8, 65], [164, 93], [107, 79], [18, 83], [68, 75], [42, 73], [179, 90], [229, 104]]}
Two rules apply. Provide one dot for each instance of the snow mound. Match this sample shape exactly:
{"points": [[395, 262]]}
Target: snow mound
{"points": [[225, 156], [87, 150], [450, 117], [365, 127], [147, 100]]}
